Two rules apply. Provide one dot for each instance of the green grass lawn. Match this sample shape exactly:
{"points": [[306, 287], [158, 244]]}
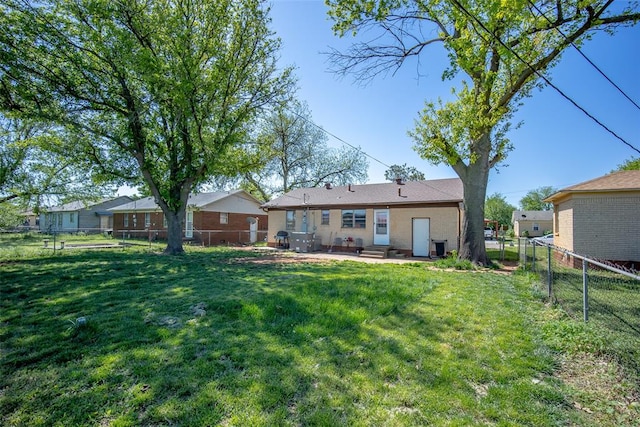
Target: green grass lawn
{"points": [[225, 337]]}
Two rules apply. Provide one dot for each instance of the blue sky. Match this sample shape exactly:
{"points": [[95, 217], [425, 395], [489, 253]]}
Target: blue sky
{"points": [[557, 145]]}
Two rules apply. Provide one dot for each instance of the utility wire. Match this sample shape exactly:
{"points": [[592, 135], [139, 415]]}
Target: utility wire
{"points": [[540, 75], [586, 57], [300, 116], [358, 148]]}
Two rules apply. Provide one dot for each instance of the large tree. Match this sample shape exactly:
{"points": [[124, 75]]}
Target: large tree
{"points": [[290, 151], [36, 169], [498, 51], [152, 90], [534, 199]]}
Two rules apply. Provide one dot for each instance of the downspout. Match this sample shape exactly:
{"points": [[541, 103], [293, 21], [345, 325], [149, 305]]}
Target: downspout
{"points": [[460, 209]]}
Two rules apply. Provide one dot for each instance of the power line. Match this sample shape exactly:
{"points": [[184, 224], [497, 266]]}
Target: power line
{"points": [[540, 75], [336, 137], [311, 122], [586, 57]]}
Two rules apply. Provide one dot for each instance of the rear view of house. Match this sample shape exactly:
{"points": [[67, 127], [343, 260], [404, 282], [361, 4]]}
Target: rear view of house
{"points": [[419, 218], [217, 218], [80, 216]]}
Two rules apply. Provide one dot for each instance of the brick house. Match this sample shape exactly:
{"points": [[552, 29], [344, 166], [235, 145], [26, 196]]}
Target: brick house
{"points": [[80, 216], [532, 223], [217, 218], [414, 218], [599, 218]]}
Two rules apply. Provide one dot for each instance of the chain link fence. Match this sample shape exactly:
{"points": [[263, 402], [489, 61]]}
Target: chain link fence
{"points": [[599, 292], [197, 237]]}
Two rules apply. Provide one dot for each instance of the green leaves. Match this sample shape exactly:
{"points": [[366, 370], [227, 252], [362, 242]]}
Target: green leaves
{"points": [[159, 90]]}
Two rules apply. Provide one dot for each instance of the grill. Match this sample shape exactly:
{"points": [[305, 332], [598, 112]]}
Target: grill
{"points": [[282, 240]]}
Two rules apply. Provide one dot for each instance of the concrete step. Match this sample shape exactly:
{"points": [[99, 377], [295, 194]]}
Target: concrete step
{"points": [[373, 254]]}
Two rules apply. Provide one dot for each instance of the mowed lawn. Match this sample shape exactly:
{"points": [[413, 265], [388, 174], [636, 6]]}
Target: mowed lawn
{"points": [[234, 338]]}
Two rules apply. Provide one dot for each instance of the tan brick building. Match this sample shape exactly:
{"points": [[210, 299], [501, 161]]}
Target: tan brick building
{"points": [[415, 218], [600, 218], [532, 223]]}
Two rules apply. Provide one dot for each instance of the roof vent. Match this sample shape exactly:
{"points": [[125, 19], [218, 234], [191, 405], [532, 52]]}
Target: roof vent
{"points": [[399, 181], [349, 189], [327, 185]]}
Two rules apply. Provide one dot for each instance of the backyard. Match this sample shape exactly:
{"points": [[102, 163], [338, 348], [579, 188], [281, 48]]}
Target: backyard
{"points": [[224, 336]]}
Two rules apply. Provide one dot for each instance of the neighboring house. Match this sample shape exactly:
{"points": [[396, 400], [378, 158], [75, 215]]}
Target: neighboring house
{"points": [[88, 217], [223, 217], [532, 223], [416, 218], [31, 221], [599, 218]]}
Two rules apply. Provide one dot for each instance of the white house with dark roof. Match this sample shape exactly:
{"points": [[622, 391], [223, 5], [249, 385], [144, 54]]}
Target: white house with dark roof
{"points": [[416, 218]]}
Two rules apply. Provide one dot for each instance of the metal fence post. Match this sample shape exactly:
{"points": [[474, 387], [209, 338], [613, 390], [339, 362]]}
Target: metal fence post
{"points": [[585, 290], [533, 260], [549, 272], [525, 253]]}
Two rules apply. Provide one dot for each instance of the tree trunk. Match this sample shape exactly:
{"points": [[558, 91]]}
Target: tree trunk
{"points": [[474, 181], [175, 227]]}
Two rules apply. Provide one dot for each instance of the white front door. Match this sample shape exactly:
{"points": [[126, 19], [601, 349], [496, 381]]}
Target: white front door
{"points": [[381, 227], [188, 227], [420, 235], [253, 231]]}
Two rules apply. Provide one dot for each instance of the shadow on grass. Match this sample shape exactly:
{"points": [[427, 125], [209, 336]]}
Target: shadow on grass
{"points": [[205, 339], [266, 334]]}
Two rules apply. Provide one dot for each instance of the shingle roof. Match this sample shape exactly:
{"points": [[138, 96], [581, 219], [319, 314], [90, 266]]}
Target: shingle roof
{"points": [[195, 200], [412, 192], [532, 216], [616, 181], [75, 206]]}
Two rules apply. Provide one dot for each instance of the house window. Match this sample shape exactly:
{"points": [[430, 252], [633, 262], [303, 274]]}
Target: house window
{"points": [[224, 218], [59, 220], [291, 220], [71, 217], [354, 218], [135, 221], [164, 221], [325, 217], [536, 227], [125, 221], [147, 219]]}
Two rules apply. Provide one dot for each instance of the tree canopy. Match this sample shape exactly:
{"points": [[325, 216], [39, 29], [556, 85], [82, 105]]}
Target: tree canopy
{"points": [[35, 171], [632, 164], [152, 91], [533, 200], [498, 209], [292, 152], [404, 172], [498, 51]]}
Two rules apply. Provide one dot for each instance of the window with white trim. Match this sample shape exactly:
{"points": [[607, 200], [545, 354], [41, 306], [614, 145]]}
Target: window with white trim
{"points": [[291, 220], [324, 217], [354, 218]]}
